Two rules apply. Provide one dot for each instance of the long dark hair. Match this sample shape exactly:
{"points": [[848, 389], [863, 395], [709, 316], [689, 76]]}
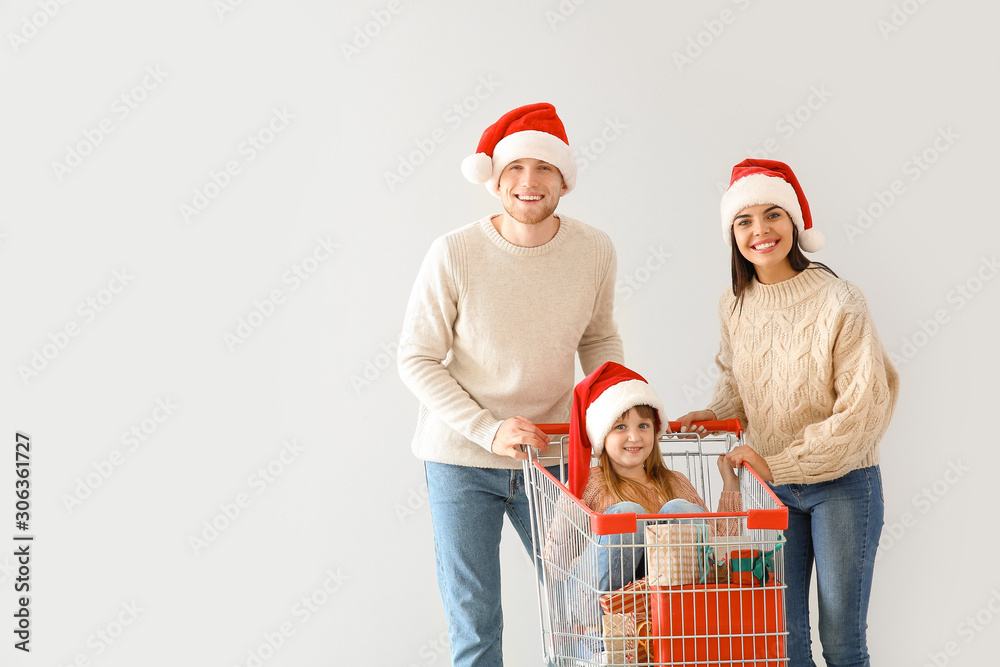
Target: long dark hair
{"points": [[744, 271]]}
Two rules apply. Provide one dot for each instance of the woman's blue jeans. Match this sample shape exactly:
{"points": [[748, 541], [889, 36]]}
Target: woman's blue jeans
{"points": [[837, 524]]}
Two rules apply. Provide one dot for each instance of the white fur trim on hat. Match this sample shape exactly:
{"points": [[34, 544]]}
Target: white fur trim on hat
{"points": [[758, 189], [532, 144], [613, 402]]}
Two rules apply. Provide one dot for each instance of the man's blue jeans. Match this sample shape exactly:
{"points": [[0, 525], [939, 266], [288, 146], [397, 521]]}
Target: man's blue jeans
{"points": [[467, 508], [837, 524]]}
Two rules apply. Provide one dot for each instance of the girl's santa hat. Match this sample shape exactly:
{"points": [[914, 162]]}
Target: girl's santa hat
{"points": [[532, 131], [769, 182], [598, 401]]}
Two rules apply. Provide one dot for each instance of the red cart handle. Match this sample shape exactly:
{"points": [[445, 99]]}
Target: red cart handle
{"points": [[727, 425], [579, 461]]}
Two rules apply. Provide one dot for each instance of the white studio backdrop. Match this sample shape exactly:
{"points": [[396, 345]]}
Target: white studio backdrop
{"points": [[211, 215]]}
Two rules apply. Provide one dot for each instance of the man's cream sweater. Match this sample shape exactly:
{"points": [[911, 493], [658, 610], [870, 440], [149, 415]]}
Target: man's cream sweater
{"points": [[801, 365], [492, 331]]}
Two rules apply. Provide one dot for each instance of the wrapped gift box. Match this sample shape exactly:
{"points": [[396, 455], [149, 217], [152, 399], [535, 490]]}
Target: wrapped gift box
{"points": [[630, 599], [751, 567], [625, 638], [617, 658], [676, 554], [717, 623], [619, 633]]}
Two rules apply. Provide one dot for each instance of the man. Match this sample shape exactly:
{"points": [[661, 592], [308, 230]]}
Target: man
{"points": [[497, 315]]}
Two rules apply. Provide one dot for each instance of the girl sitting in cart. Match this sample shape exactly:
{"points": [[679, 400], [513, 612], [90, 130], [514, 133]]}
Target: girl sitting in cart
{"points": [[618, 417]]}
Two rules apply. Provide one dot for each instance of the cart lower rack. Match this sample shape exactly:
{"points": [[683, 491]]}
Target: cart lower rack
{"points": [[671, 589]]}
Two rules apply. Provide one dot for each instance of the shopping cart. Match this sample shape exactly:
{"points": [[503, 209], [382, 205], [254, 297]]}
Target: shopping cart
{"points": [[693, 589]]}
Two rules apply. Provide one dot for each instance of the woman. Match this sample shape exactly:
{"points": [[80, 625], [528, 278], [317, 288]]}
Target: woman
{"points": [[801, 365]]}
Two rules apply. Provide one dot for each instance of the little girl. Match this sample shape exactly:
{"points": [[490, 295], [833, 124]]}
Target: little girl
{"points": [[617, 417]]}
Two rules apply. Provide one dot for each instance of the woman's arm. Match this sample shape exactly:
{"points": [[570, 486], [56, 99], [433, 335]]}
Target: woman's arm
{"points": [[865, 385]]}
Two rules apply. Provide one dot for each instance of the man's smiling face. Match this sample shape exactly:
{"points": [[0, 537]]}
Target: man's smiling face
{"points": [[530, 190]]}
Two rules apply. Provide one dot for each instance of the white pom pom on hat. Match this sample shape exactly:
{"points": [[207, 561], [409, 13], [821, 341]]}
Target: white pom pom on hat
{"points": [[477, 168], [531, 131], [757, 182]]}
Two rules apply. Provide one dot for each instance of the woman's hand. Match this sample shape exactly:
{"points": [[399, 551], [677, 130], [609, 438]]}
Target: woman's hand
{"points": [[730, 482], [753, 459], [696, 416]]}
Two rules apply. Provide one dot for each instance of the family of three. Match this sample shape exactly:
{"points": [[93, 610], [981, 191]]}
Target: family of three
{"points": [[501, 309]]}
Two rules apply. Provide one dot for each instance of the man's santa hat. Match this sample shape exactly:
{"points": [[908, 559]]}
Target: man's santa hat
{"points": [[598, 401], [769, 182], [532, 131]]}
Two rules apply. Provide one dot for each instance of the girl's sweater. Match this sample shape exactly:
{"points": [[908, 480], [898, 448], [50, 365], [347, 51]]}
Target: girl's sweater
{"points": [[598, 497]]}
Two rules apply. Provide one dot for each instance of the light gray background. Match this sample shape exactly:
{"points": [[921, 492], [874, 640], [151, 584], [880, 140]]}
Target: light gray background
{"points": [[847, 93]]}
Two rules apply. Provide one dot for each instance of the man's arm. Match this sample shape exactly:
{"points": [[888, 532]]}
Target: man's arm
{"points": [[601, 341], [426, 339]]}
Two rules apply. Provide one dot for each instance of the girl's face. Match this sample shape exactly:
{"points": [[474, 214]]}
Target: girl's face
{"points": [[763, 235], [629, 443]]}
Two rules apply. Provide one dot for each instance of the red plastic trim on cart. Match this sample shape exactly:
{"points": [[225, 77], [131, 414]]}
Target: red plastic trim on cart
{"points": [[616, 524], [728, 425]]}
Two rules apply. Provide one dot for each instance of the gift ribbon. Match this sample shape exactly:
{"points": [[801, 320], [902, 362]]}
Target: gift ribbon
{"points": [[704, 551], [641, 631], [759, 566]]}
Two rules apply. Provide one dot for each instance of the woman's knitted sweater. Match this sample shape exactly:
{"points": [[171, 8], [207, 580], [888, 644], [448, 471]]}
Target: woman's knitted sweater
{"points": [[801, 365]]}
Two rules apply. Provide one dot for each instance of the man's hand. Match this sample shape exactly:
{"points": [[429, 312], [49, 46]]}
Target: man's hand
{"points": [[519, 431]]}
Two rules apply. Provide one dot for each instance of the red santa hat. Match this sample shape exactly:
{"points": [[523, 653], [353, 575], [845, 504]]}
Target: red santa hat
{"points": [[598, 401], [769, 182], [532, 131]]}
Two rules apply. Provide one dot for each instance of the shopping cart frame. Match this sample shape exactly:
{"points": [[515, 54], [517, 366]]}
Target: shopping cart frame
{"points": [[759, 524]]}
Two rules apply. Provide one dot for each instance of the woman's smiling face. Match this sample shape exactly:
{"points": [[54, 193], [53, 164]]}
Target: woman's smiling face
{"points": [[764, 235]]}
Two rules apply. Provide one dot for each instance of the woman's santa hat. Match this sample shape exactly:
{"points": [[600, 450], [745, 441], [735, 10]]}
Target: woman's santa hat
{"points": [[598, 401], [769, 182], [532, 131]]}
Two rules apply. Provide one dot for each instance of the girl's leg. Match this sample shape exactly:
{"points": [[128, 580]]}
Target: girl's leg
{"points": [[847, 523], [605, 566], [617, 562], [680, 506]]}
